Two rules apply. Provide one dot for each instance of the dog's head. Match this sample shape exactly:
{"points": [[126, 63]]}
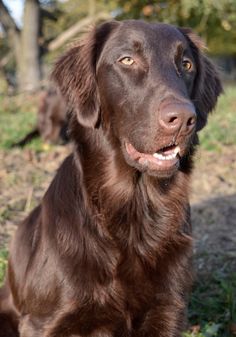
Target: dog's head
{"points": [[148, 84]]}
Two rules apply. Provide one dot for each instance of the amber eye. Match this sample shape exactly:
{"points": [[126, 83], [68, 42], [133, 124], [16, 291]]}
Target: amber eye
{"points": [[187, 65], [128, 61]]}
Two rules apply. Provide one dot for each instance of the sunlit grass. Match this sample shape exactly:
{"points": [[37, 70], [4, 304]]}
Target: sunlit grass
{"points": [[221, 128], [18, 117], [3, 264]]}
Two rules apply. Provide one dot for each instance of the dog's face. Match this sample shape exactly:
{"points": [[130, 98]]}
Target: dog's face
{"points": [[151, 86], [145, 76]]}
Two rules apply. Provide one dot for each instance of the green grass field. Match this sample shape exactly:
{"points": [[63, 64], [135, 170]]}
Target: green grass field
{"points": [[221, 128], [213, 306], [212, 310], [17, 118], [3, 264]]}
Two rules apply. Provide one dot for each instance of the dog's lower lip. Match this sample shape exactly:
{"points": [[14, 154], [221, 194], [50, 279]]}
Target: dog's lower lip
{"points": [[158, 161]]}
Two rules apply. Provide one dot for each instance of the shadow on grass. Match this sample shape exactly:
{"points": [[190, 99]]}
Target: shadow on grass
{"points": [[212, 309]]}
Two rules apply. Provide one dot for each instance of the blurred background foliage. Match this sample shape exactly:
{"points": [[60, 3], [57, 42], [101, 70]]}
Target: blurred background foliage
{"points": [[214, 20]]}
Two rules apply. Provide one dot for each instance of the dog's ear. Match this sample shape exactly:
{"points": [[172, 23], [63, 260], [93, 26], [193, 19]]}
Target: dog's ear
{"points": [[207, 85], [75, 74]]}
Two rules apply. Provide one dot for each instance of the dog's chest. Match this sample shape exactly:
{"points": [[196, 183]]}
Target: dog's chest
{"points": [[127, 298], [133, 285], [117, 305], [135, 275], [138, 286]]}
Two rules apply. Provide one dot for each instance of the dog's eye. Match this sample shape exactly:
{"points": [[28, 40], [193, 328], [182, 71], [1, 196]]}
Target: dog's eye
{"points": [[128, 61], [187, 65]]}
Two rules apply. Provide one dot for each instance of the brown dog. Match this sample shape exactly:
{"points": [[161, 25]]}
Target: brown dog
{"points": [[52, 120], [107, 253]]}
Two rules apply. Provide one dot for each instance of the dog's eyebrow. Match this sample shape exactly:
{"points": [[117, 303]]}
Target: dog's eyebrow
{"points": [[177, 56], [137, 45], [179, 51]]}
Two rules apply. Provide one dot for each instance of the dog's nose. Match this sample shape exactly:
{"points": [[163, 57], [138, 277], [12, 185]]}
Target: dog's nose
{"points": [[177, 117]]}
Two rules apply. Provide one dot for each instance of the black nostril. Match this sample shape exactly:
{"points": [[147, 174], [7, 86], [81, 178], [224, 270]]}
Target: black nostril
{"points": [[191, 121], [173, 120]]}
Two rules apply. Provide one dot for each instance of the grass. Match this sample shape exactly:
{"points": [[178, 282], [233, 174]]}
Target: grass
{"points": [[212, 310], [221, 128], [3, 264], [17, 118]]}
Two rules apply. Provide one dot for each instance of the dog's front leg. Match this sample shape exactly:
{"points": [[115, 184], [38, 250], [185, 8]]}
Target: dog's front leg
{"points": [[29, 327], [166, 319]]}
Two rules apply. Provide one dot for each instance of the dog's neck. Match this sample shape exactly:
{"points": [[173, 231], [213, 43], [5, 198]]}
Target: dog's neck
{"points": [[117, 190], [128, 209]]}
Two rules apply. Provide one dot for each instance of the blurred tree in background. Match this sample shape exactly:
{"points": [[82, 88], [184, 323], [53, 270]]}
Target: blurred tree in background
{"points": [[48, 25], [214, 20], [24, 43]]}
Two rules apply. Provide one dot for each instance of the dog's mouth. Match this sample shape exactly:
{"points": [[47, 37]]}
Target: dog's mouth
{"points": [[164, 159], [169, 152]]}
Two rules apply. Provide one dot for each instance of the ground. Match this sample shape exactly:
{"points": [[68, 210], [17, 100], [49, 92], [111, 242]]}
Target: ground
{"points": [[213, 202], [25, 175]]}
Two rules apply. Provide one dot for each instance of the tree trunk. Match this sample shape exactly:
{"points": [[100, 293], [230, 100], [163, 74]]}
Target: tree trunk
{"points": [[91, 8], [12, 31], [25, 43], [29, 71]]}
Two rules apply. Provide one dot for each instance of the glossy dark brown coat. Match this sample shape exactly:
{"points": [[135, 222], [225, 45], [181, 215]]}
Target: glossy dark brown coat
{"points": [[108, 251]]}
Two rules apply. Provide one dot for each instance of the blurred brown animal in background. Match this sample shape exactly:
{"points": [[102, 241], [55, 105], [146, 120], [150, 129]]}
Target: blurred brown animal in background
{"points": [[108, 251], [52, 119]]}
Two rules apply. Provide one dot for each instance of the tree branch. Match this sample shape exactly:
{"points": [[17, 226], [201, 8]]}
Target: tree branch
{"points": [[6, 19], [12, 31], [75, 29], [5, 60]]}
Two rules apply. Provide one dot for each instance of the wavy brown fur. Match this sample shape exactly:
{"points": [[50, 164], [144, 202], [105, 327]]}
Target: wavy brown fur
{"points": [[108, 251]]}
